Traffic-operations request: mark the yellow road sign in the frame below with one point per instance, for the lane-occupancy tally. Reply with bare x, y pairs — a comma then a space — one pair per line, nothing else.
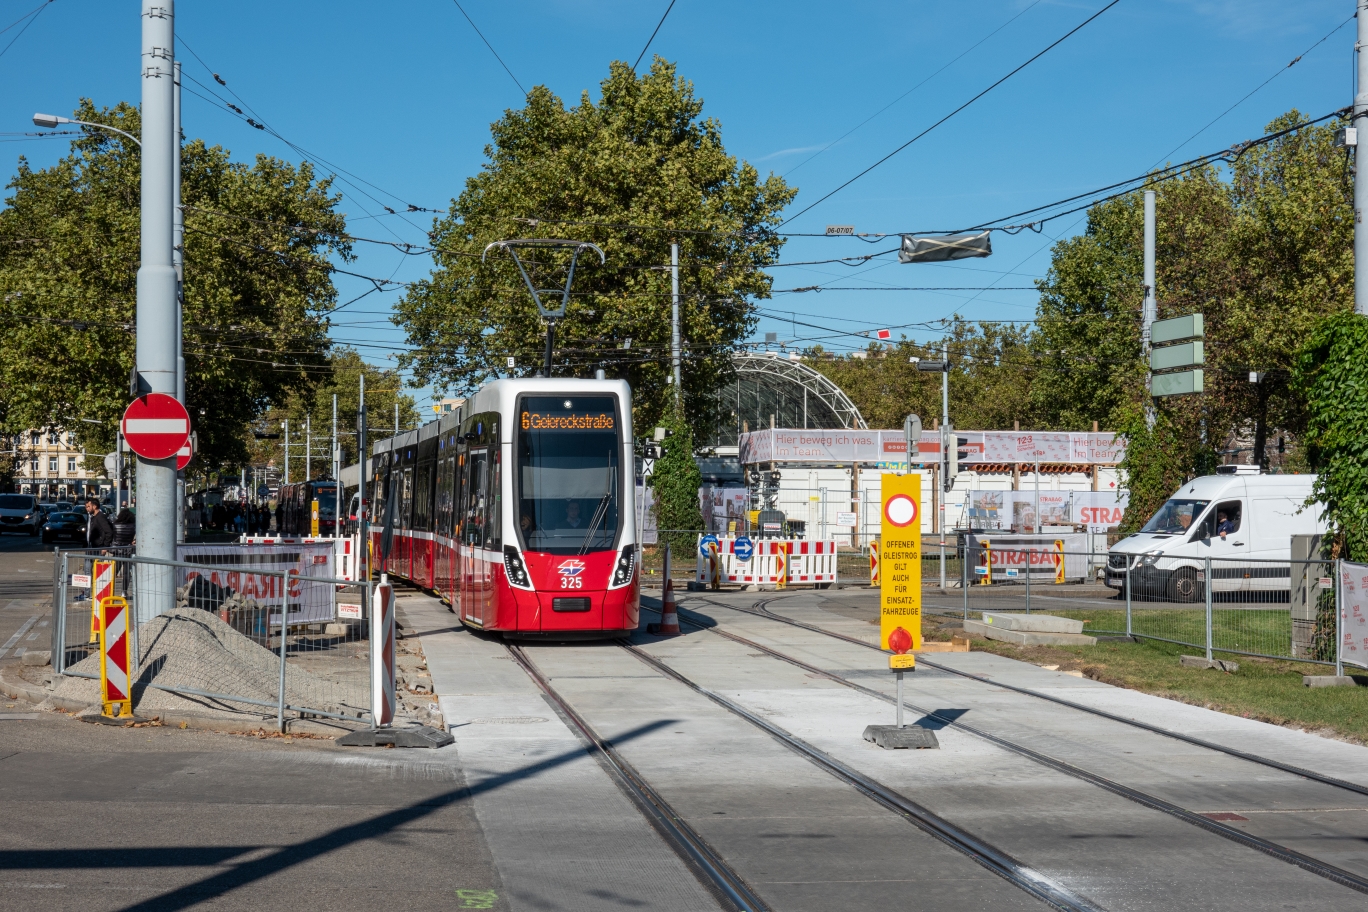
900, 563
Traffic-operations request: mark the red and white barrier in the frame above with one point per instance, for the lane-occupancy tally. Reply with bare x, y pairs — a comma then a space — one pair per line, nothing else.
806, 562
102, 587
346, 550
115, 687
383, 698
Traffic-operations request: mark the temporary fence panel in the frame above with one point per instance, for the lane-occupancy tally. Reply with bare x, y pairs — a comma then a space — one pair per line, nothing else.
222, 643
1006, 558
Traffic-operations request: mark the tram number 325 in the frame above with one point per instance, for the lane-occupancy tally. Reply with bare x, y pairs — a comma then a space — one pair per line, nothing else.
572, 582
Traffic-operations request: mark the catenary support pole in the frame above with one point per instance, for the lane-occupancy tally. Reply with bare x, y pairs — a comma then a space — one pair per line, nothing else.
363, 457
308, 447
1360, 122
674, 319
945, 458
178, 261
286, 425
156, 308
337, 476
1150, 310
396, 414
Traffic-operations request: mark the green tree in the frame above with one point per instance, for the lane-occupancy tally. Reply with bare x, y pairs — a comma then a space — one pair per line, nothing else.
675, 483
258, 286
637, 170
1331, 375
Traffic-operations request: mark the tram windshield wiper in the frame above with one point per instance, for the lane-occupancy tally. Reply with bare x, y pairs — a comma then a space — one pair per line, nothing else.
599, 512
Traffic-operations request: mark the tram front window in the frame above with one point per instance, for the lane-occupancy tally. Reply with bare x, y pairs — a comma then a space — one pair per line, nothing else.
569, 473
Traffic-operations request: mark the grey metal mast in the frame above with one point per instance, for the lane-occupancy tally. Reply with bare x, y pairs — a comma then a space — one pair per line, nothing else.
156, 310
1151, 307
1359, 122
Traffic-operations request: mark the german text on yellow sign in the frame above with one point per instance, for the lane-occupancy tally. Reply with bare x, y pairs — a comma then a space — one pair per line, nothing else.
313, 519
900, 563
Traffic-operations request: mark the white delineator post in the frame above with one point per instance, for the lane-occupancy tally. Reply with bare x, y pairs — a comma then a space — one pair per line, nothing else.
157, 306
1360, 122
383, 661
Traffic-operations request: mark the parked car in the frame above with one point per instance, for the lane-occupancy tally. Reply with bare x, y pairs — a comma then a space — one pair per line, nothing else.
1167, 557
67, 525
20, 513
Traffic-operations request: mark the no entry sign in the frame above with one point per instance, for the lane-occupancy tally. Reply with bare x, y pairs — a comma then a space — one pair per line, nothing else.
156, 426
184, 455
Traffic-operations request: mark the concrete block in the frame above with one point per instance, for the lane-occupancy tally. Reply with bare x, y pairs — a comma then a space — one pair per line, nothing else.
36, 657
890, 737
1035, 623
417, 736
1200, 662
1335, 681
1028, 637
337, 629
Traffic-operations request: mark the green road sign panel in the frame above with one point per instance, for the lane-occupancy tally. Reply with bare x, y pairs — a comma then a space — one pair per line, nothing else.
1189, 327
1179, 384
1184, 354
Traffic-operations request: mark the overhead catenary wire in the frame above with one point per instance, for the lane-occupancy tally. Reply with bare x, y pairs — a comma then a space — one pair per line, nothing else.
491, 47
654, 32
32, 17
957, 110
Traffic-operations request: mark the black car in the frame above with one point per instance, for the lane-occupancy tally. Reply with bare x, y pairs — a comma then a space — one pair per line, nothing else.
71, 526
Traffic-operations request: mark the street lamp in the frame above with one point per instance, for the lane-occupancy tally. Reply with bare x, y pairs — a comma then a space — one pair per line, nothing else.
52, 120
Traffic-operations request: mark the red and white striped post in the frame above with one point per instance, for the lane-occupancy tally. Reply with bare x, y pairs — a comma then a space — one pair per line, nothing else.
383, 698
115, 686
101, 588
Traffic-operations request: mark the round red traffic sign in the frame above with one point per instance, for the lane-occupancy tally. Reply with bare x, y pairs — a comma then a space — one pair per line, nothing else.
156, 426
184, 455
900, 510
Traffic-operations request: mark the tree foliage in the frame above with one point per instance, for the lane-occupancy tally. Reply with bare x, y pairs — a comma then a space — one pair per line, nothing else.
675, 483
258, 286
1331, 373
631, 173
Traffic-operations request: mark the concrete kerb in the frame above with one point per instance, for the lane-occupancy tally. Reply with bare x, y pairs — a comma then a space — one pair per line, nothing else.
245, 724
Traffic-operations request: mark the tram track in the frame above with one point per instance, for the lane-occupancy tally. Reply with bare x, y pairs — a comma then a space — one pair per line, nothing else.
760, 609
1272, 849
697, 855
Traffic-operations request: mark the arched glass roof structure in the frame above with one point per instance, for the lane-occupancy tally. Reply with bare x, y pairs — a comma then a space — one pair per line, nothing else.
765, 385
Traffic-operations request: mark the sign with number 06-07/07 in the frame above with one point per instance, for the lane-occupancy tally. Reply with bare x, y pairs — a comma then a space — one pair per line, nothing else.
900, 563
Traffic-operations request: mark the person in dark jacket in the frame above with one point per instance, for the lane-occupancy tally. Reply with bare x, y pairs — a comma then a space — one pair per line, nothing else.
124, 528
99, 533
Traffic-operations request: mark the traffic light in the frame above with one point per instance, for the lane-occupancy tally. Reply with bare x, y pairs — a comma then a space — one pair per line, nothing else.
950, 456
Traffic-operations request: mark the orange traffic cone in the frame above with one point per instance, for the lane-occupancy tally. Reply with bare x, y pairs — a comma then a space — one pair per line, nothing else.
669, 617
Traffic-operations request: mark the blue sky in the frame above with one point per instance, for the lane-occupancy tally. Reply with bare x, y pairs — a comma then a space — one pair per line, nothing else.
401, 95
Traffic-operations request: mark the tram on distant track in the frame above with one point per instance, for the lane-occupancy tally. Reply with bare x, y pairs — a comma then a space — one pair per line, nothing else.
296, 507
518, 509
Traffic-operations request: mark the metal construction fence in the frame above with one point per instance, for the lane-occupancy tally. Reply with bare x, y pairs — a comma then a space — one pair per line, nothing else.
236, 630
1280, 609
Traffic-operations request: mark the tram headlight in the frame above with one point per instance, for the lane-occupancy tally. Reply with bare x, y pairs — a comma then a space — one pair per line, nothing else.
626, 563
515, 569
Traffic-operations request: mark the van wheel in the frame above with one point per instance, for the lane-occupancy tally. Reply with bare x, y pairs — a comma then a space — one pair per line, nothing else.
1184, 587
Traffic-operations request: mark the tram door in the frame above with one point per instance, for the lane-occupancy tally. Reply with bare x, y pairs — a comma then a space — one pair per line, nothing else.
474, 566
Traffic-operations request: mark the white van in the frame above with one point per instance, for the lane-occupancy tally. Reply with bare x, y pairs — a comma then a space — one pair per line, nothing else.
20, 513
1258, 513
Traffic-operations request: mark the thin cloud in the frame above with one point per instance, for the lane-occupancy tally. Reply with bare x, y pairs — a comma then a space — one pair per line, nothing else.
798, 150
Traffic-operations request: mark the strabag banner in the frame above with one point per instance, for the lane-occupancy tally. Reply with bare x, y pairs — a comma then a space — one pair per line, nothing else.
251, 572
890, 447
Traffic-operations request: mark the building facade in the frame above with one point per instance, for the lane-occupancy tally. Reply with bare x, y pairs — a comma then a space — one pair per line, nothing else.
52, 466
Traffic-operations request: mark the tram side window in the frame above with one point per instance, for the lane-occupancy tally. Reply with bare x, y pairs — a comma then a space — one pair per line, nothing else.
493, 500
404, 507
421, 499
378, 496
442, 524
477, 490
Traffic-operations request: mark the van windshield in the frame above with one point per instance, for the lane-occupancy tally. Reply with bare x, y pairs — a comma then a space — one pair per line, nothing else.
16, 502
1175, 517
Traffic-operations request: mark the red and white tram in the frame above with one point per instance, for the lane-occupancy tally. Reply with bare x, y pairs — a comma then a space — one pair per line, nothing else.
518, 509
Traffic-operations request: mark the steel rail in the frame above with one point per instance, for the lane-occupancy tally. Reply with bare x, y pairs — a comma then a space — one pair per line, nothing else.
985, 854
687, 843
759, 610
1275, 850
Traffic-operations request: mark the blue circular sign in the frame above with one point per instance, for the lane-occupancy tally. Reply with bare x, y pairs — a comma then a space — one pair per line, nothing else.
744, 549
704, 542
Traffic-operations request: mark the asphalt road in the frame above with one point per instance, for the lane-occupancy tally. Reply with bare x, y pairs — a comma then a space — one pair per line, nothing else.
25, 595
100, 818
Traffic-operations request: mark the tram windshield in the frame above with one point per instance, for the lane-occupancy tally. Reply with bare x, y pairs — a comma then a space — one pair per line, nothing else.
569, 473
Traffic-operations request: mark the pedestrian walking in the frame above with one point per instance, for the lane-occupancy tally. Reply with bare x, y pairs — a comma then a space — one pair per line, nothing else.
99, 532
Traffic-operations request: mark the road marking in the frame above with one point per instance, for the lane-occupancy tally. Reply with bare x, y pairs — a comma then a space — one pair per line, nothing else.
34, 636
14, 639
